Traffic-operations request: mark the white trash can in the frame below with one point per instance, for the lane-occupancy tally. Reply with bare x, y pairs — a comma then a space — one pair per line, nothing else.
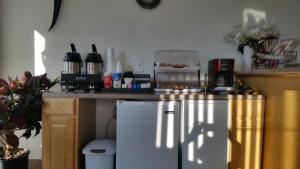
100, 154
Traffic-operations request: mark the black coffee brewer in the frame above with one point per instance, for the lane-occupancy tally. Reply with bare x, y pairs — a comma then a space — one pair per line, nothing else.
73, 79
220, 74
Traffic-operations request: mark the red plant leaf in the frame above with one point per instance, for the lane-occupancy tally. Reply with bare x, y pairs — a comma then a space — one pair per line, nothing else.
3, 83
3, 107
12, 140
4, 90
19, 121
4, 87
27, 75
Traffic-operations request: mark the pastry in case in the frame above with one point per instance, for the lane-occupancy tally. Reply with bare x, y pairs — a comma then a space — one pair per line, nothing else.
177, 69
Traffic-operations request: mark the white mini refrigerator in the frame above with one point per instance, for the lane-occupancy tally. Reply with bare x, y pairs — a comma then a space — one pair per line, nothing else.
190, 134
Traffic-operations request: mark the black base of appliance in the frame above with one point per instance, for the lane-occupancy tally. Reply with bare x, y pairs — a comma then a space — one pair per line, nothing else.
85, 82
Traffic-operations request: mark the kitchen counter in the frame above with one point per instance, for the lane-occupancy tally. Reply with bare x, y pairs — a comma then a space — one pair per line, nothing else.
146, 96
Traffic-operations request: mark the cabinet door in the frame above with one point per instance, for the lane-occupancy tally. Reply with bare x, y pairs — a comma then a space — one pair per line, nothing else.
58, 142
59, 149
246, 133
147, 135
204, 134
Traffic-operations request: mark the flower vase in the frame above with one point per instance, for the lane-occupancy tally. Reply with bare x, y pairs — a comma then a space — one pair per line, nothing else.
247, 58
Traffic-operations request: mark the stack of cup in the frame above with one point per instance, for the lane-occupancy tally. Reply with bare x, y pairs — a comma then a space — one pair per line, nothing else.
110, 68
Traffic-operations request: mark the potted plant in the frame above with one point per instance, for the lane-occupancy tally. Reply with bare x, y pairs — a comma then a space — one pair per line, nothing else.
20, 110
253, 38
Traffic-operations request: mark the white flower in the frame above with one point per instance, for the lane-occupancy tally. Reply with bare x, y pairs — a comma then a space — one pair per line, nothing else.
262, 29
16, 97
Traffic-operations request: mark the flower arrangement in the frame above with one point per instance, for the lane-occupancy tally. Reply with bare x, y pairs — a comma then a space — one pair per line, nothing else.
253, 35
20, 109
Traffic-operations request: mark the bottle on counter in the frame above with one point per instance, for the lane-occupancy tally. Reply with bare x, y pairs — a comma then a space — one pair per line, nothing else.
127, 80
108, 80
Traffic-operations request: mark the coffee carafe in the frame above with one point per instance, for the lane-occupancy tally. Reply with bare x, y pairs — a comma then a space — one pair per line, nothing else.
94, 63
72, 62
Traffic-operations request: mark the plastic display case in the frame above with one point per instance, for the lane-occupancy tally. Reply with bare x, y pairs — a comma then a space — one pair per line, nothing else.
177, 70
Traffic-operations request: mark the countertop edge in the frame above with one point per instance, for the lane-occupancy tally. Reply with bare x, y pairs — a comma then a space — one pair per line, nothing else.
149, 97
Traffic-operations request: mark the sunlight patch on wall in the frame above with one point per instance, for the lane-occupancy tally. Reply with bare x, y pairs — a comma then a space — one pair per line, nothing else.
253, 15
39, 47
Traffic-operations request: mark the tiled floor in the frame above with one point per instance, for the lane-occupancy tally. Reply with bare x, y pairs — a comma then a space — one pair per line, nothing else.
35, 164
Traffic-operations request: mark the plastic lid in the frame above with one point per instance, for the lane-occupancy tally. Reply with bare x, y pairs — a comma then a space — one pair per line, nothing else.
94, 57
177, 58
103, 147
107, 74
72, 57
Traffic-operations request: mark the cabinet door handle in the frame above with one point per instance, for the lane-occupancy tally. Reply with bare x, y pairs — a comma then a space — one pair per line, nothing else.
169, 112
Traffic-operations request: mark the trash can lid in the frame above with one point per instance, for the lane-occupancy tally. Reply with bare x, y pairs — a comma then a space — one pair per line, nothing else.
100, 147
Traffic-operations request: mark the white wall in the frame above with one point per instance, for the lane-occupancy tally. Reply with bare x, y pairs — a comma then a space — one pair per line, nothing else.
134, 32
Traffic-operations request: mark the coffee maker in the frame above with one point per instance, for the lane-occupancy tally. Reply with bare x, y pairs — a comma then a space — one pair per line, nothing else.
220, 74
74, 79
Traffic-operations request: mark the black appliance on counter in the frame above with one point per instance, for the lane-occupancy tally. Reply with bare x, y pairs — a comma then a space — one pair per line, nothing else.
220, 74
73, 79
81, 82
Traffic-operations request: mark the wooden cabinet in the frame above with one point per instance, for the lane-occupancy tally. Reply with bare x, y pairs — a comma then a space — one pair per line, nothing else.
64, 122
246, 121
59, 141
281, 145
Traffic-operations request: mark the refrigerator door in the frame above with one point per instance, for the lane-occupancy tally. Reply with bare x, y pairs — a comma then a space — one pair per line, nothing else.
147, 135
203, 134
